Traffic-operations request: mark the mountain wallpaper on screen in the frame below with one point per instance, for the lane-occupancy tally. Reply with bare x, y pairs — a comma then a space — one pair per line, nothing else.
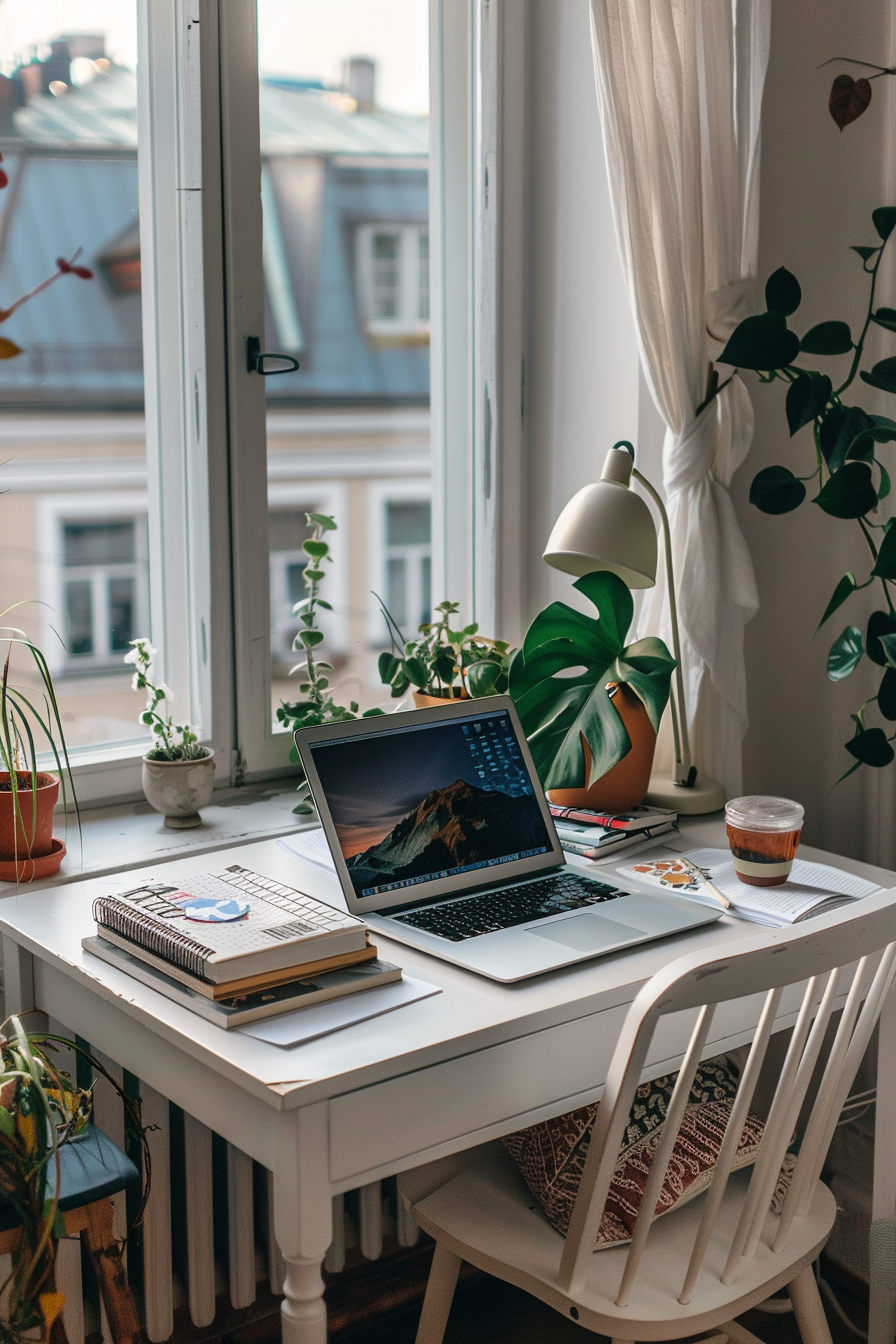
452, 827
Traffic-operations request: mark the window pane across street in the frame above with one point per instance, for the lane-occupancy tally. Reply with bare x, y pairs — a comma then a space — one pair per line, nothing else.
345, 145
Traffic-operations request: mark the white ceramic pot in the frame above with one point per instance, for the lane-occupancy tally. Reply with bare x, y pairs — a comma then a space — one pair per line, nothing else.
179, 789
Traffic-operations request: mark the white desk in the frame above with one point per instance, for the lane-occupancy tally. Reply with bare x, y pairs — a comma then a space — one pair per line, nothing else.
472, 1063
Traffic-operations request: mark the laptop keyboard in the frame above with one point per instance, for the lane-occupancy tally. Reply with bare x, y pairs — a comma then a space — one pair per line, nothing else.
495, 910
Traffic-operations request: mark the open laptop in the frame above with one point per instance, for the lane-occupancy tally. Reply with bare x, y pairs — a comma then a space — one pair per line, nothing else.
442, 838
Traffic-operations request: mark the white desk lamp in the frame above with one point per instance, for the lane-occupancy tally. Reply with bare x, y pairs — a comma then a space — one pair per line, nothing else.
606, 526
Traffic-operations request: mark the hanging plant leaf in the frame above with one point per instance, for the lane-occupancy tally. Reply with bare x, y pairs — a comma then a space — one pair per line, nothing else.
558, 710
782, 292
883, 428
886, 695
885, 564
884, 219
840, 428
888, 644
845, 587
882, 375
871, 748
861, 449
777, 490
846, 653
849, 493
885, 317
885, 485
865, 252
879, 623
761, 342
807, 397
8, 349
848, 99
827, 338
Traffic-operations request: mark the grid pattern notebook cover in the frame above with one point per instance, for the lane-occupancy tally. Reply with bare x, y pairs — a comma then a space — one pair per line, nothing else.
279, 926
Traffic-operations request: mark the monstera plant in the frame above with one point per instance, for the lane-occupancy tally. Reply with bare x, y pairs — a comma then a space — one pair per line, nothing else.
844, 470
560, 676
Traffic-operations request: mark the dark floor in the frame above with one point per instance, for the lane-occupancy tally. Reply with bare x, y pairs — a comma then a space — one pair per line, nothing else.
488, 1312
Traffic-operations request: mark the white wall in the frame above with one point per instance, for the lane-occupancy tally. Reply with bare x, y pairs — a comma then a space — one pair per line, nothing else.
582, 366
818, 190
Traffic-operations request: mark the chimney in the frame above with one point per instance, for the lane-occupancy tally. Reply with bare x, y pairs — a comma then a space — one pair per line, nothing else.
359, 80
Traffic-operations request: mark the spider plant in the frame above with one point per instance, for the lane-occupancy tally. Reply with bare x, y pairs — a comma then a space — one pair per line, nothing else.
29, 718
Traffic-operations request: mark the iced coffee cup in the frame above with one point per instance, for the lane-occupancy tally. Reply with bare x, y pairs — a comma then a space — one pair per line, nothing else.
764, 834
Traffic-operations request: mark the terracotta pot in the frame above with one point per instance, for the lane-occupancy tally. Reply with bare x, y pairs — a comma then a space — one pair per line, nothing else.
16, 839
179, 789
423, 701
626, 783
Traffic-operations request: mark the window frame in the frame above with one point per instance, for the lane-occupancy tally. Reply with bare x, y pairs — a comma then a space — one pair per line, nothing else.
203, 295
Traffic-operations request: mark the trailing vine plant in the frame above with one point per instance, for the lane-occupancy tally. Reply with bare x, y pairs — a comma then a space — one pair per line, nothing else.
849, 479
316, 704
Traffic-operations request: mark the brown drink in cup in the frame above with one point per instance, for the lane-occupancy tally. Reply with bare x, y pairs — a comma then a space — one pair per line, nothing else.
764, 834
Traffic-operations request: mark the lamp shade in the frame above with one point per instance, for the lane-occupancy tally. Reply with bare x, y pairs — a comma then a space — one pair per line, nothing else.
607, 527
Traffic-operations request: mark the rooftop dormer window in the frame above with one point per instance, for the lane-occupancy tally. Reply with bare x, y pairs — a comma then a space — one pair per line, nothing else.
393, 281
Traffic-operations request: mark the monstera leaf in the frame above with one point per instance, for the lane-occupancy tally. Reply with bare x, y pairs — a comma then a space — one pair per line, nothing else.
558, 680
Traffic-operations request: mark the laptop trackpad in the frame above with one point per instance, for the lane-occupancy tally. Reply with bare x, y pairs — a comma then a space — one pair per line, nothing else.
587, 931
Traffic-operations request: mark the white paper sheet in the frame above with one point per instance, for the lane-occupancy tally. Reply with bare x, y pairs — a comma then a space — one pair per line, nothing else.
311, 846
307, 1024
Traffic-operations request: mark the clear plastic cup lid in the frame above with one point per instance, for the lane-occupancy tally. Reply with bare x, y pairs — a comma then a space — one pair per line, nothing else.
763, 813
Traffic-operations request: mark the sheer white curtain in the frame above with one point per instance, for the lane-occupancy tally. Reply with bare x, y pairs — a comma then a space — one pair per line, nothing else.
679, 84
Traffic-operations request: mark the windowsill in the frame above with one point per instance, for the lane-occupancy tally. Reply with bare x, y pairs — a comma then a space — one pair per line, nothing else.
131, 834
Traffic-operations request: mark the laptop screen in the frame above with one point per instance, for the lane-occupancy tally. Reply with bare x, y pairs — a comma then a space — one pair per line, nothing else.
429, 802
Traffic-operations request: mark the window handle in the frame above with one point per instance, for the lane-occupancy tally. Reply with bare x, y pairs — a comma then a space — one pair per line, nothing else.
255, 358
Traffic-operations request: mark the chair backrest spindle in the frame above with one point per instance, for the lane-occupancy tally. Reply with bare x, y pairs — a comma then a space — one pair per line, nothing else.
663, 1153
731, 1141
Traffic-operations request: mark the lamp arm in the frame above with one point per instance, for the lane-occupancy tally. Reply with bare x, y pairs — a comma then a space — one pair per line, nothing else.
683, 772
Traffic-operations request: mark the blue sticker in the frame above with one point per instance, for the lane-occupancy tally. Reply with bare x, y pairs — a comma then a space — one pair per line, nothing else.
212, 910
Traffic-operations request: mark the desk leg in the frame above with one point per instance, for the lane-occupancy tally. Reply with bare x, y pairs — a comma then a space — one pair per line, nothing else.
303, 1223
18, 977
882, 1293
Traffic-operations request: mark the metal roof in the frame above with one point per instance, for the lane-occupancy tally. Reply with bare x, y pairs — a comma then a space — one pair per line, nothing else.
294, 120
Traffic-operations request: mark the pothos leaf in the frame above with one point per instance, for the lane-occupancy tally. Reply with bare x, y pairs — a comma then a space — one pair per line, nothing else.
888, 644
871, 748
849, 493
886, 695
782, 292
845, 587
776, 490
879, 623
848, 99
807, 397
846, 653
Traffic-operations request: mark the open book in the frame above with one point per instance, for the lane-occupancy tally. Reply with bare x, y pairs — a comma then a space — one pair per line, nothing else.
811, 889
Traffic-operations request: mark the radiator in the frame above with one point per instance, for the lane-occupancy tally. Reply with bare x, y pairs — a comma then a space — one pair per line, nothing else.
180, 1256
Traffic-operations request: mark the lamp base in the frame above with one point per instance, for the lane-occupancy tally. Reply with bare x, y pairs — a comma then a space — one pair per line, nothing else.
707, 795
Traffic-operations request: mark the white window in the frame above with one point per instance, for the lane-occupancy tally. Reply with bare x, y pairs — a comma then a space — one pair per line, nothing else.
407, 562
104, 583
393, 279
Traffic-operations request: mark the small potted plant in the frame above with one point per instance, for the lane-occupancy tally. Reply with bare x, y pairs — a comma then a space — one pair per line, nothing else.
316, 704
178, 772
444, 664
590, 706
29, 718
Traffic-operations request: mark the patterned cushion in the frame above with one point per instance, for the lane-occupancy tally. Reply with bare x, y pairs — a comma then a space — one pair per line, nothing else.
551, 1155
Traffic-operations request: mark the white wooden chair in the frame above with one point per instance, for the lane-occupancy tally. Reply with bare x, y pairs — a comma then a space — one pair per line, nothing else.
699, 1266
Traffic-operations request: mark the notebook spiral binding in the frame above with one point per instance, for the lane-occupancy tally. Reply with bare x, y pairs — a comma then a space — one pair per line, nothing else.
179, 948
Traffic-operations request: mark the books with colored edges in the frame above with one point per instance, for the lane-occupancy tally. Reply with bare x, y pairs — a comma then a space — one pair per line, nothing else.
636, 819
228, 925
247, 983
597, 842
243, 1008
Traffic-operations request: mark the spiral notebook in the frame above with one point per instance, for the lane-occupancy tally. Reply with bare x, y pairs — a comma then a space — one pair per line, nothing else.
276, 926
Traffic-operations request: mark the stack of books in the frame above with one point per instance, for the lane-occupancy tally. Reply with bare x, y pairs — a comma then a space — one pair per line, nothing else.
234, 946
596, 835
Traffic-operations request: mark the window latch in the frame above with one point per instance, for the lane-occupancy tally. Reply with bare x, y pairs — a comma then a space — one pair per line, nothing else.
255, 359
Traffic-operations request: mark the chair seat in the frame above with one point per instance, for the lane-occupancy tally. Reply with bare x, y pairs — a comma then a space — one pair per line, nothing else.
91, 1166
488, 1217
